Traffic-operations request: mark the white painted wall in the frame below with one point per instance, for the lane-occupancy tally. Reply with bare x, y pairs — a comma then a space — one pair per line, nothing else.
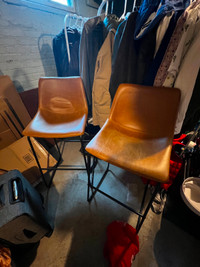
26, 35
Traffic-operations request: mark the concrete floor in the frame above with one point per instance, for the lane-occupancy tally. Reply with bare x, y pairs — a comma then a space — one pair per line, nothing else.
80, 228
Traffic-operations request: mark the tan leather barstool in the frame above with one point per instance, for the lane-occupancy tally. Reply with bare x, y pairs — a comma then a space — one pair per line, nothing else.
137, 137
62, 113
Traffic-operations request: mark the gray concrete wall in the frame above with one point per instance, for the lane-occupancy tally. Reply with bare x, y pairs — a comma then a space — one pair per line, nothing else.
26, 34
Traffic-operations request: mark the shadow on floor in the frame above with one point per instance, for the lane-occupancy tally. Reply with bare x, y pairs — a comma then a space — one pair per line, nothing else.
87, 223
23, 255
178, 213
177, 244
175, 248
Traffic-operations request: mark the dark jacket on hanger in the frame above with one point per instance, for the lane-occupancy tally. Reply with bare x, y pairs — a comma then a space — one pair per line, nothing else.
133, 57
161, 8
93, 35
117, 40
64, 68
151, 73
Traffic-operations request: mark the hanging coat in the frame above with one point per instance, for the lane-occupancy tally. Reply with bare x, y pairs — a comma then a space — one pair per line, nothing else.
64, 68
92, 38
101, 100
94, 33
133, 56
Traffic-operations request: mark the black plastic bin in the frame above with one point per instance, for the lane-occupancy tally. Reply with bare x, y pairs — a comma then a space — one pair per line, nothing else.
22, 216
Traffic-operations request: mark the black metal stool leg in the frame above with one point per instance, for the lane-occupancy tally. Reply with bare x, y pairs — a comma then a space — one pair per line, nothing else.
84, 154
139, 224
38, 163
142, 203
141, 216
87, 159
58, 149
88, 173
54, 169
91, 184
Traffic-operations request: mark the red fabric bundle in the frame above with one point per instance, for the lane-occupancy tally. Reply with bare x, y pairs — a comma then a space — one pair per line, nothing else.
175, 164
122, 244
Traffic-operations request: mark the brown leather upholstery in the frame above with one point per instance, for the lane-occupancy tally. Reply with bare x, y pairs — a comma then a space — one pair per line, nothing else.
62, 110
139, 131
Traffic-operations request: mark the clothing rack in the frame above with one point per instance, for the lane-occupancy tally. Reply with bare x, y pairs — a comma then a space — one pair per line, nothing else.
78, 22
134, 8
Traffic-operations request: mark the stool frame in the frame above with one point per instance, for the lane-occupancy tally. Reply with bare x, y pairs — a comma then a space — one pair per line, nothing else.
142, 213
58, 165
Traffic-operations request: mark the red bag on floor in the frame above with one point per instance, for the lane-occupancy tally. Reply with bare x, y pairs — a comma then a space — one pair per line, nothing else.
122, 244
175, 164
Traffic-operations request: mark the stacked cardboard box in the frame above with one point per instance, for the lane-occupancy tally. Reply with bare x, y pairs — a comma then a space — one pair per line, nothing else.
13, 114
19, 156
15, 152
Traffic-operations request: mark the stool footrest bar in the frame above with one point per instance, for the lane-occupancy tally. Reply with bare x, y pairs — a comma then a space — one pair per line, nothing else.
116, 200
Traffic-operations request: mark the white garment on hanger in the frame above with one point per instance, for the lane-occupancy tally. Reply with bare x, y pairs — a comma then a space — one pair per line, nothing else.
162, 28
189, 32
186, 78
101, 100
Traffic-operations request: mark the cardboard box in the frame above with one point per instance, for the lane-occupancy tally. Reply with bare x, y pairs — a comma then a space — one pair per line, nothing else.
30, 100
8, 132
19, 156
10, 129
10, 119
13, 114
6, 138
3, 124
9, 92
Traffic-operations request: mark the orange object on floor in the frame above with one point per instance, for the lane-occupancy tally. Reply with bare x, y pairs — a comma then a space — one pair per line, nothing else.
5, 257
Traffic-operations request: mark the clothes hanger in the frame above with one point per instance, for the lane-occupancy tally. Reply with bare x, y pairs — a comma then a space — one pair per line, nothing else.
99, 11
176, 4
68, 17
134, 5
83, 22
112, 7
66, 37
107, 5
77, 23
124, 13
80, 23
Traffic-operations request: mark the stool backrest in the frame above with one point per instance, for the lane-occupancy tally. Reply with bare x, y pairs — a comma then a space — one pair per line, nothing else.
150, 111
62, 96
